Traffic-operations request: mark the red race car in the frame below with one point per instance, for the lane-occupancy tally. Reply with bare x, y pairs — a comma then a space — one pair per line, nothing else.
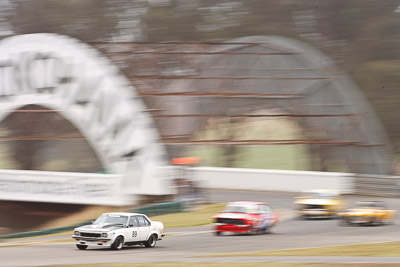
245, 217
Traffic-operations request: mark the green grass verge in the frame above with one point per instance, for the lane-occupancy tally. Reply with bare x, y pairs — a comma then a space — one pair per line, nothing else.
197, 217
387, 249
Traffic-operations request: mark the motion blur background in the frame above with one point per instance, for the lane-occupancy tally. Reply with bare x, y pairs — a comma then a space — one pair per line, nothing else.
234, 104
360, 37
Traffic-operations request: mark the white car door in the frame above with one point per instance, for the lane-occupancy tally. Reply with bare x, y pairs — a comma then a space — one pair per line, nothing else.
132, 232
144, 227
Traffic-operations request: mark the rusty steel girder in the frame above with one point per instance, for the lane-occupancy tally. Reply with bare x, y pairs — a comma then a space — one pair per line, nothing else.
243, 77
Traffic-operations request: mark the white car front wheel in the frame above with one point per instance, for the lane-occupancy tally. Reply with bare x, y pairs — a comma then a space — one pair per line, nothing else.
81, 246
118, 243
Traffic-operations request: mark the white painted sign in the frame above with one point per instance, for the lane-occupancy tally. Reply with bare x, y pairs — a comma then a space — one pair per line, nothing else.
68, 76
62, 187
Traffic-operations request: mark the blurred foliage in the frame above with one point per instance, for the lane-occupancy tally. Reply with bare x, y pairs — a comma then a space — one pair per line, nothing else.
356, 34
285, 157
33, 153
85, 20
361, 36
280, 157
381, 83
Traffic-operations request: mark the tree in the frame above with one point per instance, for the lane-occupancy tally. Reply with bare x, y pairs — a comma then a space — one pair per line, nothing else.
89, 20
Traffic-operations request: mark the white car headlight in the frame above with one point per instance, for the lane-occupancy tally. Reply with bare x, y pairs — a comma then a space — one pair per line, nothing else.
76, 232
104, 235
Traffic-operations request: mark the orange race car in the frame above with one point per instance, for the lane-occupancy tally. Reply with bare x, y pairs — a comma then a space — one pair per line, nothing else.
368, 213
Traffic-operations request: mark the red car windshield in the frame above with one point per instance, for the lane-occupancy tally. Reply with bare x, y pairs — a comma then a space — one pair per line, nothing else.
241, 208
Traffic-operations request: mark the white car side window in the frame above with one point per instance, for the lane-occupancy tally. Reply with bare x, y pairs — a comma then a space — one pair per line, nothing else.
133, 222
143, 222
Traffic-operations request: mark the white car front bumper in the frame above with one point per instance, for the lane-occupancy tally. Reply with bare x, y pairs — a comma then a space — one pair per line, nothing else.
93, 241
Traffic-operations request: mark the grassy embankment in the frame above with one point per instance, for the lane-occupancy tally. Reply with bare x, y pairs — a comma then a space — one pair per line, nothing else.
386, 249
229, 264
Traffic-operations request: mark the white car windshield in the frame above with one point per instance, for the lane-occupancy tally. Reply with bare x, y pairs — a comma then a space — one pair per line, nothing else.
112, 219
241, 208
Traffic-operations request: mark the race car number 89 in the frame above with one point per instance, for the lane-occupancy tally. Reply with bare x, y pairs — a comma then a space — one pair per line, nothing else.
134, 234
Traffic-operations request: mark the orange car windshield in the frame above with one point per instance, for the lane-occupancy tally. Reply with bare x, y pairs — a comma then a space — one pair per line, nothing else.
319, 195
369, 205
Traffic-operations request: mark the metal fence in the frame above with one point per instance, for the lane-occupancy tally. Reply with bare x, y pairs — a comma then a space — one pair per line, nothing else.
377, 185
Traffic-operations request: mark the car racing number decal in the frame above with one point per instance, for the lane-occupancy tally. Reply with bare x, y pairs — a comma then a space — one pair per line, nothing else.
134, 234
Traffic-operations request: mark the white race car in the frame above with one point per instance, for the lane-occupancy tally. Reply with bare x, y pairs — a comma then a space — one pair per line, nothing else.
117, 229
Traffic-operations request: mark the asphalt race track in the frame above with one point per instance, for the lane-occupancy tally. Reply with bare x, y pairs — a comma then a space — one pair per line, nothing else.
200, 241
